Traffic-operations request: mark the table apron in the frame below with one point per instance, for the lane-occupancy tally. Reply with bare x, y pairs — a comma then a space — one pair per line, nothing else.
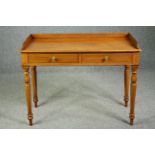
80, 59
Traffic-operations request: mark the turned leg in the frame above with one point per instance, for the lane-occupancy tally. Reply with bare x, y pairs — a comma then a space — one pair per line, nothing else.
28, 93
133, 93
34, 84
126, 84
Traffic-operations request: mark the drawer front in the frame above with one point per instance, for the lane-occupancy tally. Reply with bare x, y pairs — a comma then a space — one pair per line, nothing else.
53, 58
109, 58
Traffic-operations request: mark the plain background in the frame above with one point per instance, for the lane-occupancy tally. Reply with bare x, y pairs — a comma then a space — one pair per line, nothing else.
12, 38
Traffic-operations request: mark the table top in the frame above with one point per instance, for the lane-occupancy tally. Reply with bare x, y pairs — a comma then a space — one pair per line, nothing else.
81, 42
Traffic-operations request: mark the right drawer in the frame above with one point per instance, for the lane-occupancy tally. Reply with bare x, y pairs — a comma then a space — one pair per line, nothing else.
108, 58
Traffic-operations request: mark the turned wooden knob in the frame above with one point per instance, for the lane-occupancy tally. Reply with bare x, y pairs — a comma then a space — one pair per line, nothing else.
106, 58
54, 59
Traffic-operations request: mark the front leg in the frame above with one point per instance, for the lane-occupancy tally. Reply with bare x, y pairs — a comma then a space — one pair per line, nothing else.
28, 93
133, 93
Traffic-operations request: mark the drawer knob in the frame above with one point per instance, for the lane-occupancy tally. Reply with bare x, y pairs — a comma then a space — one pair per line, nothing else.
54, 59
106, 58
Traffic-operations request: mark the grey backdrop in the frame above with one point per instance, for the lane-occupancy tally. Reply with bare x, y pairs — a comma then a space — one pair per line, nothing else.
11, 39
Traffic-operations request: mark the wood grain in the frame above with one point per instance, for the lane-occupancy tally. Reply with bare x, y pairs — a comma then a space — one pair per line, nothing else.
126, 84
34, 85
115, 58
53, 58
28, 93
133, 93
76, 59
93, 42
81, 49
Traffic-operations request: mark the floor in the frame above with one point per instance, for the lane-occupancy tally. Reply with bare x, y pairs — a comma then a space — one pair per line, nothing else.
79, 98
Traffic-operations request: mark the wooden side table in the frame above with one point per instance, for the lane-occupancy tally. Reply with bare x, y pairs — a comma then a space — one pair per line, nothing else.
83, 49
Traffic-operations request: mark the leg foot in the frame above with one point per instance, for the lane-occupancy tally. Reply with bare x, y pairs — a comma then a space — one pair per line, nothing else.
132, 116
126, 101
35, 105
30, 122
30, 117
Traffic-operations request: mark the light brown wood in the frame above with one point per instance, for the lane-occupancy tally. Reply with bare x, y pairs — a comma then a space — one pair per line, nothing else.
34, 85
28, 41
28, 93
52, 58
76, 59
133, 93
81, 36
133, 41
82, 49
126, 84
107, 58
93, 42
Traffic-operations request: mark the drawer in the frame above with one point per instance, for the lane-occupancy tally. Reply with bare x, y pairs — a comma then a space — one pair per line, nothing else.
52, 58
109, 58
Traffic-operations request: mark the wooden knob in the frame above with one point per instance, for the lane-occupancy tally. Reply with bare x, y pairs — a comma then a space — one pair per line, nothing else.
106, 58
54, 59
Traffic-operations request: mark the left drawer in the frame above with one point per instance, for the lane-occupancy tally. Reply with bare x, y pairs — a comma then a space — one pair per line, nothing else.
53, 58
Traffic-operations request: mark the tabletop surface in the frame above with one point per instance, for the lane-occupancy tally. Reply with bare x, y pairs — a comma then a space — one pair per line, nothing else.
82, 42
